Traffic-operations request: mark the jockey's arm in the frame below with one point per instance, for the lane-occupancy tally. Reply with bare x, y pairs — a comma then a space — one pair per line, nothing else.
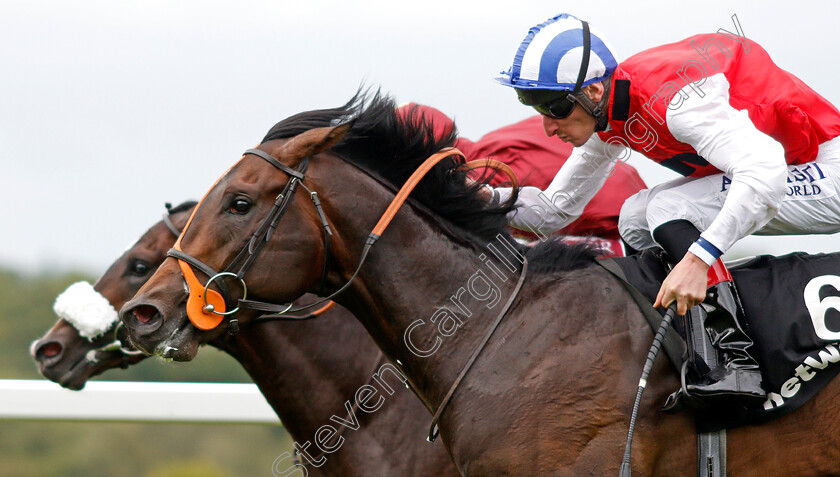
563, 201
754, 161
728, 140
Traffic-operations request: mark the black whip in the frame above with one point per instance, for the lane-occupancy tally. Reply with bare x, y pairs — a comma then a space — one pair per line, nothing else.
624, 470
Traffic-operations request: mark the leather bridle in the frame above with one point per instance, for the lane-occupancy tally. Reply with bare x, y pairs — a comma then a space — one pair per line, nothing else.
206, 307
125, 350
248, 254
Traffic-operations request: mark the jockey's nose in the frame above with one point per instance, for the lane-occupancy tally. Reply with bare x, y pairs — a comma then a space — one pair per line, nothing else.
550, 126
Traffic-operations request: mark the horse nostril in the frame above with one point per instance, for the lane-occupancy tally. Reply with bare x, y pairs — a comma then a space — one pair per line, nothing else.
48, 350
144, 313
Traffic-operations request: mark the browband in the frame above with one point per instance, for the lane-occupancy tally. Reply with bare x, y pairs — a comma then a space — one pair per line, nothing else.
274, 162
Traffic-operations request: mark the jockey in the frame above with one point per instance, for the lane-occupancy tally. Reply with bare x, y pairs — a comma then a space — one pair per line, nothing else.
758, 149
535, 159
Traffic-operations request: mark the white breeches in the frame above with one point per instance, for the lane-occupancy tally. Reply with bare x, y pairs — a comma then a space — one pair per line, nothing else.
811, 204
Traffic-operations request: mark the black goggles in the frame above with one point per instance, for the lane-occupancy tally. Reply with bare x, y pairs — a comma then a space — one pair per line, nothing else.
554, 104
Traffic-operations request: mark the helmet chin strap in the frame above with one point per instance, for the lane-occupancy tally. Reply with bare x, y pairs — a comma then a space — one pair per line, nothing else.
593, 110
577, 94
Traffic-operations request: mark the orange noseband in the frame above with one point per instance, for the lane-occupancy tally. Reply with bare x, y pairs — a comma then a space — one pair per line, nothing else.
198, 303
206, 308
203, 305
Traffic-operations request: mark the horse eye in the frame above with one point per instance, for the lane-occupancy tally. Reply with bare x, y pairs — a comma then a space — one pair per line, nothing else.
140, 268
240, 206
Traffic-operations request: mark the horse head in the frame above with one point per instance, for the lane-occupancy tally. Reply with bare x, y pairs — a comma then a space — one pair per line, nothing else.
295, 215
74, 350
238, 217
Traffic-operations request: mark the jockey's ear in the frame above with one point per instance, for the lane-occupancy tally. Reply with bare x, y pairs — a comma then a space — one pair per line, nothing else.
313, 142
594, 91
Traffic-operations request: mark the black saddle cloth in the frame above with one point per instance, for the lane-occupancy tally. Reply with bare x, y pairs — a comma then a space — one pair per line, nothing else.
792, 306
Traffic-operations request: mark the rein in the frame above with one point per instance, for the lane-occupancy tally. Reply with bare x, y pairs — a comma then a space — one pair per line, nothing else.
214, 301
433, 428
282, 317
379, 228
206, 307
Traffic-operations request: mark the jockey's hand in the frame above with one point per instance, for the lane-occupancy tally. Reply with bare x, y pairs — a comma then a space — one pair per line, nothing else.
485, 192
686, 284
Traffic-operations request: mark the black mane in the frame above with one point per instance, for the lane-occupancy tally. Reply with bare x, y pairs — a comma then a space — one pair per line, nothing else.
554, 256
392, 146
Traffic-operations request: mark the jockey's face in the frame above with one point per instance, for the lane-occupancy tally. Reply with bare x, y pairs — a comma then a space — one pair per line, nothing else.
578, 126
576, 129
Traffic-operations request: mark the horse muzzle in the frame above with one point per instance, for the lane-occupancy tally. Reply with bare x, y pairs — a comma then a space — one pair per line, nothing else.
61, 362
47, 353
155, 329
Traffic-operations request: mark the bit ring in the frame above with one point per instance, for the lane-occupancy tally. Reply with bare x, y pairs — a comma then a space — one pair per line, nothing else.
209, 308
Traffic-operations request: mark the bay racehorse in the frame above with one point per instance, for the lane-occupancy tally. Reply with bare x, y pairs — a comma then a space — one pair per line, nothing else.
549, 394
305, 379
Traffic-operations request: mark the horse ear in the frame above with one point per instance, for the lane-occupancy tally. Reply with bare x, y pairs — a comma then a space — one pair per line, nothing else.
314, 141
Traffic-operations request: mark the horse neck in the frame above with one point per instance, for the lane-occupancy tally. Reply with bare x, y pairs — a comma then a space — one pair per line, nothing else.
416, 272
307, 370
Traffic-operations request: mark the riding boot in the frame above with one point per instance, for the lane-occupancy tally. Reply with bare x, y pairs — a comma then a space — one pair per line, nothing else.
719, 367
736, 377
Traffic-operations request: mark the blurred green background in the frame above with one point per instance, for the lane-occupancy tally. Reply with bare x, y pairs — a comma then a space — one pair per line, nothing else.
69, 449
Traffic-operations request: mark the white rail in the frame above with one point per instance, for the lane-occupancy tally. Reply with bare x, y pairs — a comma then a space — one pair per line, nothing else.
135, 402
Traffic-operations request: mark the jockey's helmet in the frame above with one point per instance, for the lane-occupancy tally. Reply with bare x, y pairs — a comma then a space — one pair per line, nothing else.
555, 60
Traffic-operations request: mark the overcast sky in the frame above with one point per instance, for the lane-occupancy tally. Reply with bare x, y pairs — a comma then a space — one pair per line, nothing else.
108, 109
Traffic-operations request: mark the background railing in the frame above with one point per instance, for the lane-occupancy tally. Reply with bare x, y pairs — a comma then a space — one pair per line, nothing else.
135, 402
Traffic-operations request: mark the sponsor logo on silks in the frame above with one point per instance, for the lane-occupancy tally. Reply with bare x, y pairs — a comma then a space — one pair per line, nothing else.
800, 181
804, 372
803, 190
817, 308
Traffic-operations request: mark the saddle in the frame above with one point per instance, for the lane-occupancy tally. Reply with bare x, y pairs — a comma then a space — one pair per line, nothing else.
792, 307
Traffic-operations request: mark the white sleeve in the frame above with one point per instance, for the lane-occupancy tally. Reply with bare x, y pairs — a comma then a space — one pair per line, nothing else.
580, 178
728, 140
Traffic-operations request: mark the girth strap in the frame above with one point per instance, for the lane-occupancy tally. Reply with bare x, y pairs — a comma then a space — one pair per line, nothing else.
433, 428
711, 454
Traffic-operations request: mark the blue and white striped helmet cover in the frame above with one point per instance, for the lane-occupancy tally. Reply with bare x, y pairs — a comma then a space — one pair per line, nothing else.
550, 56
